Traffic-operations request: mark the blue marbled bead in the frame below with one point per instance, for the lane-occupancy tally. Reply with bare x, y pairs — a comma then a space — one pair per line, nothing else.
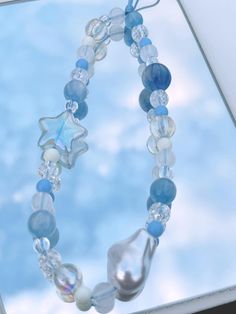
163, 190
161, 111
54, 238
82, 111
144, 100
132, 19
155, 228
156, 76
41, 224
44, 185
76, 91
128, 36
144, 42
83, 64
149, 202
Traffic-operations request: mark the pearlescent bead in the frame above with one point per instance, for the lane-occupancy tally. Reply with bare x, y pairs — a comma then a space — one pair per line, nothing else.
128, 37
82, 111
42, 201
41, 224
41, 245
159, 98
166, 172
83, 64
75, 90
133, 19
141, 68
49, 263
162, 126
44, 185
139, 32
80, 75
51, 154
134, 50
116, 32
83, 298
149, 202
100, 51
161, 111
152, 145
155, 228
54, 238
89, 41
163, 190
147, 52
160, 212
164, 143
67, 298
103, 297
96, 29
117, 16
86, 52
144, 100
156, 76
165, 158
67, 279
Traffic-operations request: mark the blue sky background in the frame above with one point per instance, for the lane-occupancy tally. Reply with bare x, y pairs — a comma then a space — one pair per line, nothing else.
103, 199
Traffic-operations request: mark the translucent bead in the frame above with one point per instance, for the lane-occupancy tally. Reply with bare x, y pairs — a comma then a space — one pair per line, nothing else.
43, 201
139, 32
49, 263
162, 126
96, 29
68, 298
166, 171
89, 41
165, 158
56, 183
100, 52
86, 52
152, 145
159, 98
128, 36
82, 111
67, 278
155, 228
160, 212
80, 75
149, 202
134, 50
91, 71
151, 60
106, 19
148, 52
117, 16
151, 115
163, 190
75, 90
49, 169
156, 76
141, 68
54, 238
164, 143
103, 297
83, 298
71, 106
41, 224
133, 19
144, 100
41, 245
116, 32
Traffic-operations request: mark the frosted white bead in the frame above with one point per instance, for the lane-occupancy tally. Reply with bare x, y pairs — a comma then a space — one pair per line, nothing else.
83, 298
88, 41
116, 32
141, 68
164, 143
117, 16
147, 52
87, 53
51, 154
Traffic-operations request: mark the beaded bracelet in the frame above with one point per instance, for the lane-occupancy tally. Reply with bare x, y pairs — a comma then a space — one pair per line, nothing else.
62, 141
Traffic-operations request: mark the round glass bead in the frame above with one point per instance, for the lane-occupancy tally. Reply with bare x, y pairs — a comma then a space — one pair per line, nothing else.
100, 51
86, 52
149, 202
128, 36
160, 212
96, 29
151, 115
148, 52
67, 278
139, 32
49, 169
155, 228
116, 32
49, 263
159, 98
144, 100
54, 238
117, 16
133, 19
103, 297
163, 190
41, 245
88, 41
162, 126
91, 70
41, 224
165, 157
71, 106
152, 145
141, 68
80, 75
164, 143
67, 298
82, 111
44, 185
105, 19
134, 50
75, 90
165, 171
156, 76
42, 201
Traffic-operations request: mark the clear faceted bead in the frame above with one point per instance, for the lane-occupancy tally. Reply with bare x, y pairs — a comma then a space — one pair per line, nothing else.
42, 201
103, 297
162, 126
148, 52
106, 19
134, 50
80, 75
49, 263
139, 32
159, 98
67, 278
152, 145
56, 183
97, 29
100, 51
71, 106
41, 246
49, 169
116, 32
165, 157
117, 16
159, 212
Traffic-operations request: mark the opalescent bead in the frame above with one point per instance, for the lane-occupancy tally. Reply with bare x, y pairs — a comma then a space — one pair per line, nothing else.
144, 42
67, 278
75, 90
159, 98
160, 212
41, 245
144, 100
82, 111
128, 37
83, 298
83, 64
41, 224
156, 76
116, 32
139, 32
132, 19
54, 238
49, 263
44, 185
149, 202
96, 29
155, 228
162, 126
103, 297
43, 201
117, 16
152, 145
163, 190
161, 111
86, 52
165, 157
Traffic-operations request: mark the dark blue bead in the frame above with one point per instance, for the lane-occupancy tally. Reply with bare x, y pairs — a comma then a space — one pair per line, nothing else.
76, 91
155, 228
54, 238
128, 37
44, 185
41, 224
149, 202
144, 42
156, 76
53, 196
132, 19
163, 190
144, 100
82, 111
161, 111
83, 64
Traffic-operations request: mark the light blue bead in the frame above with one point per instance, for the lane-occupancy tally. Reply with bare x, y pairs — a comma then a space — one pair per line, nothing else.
149, 202
163, 190
161, 111
155, 228
144, 100
44, 185
132, 19
41, 224
83, 64
54, 238
82, 111
156, 76
75, 90
144, 42
128, 36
